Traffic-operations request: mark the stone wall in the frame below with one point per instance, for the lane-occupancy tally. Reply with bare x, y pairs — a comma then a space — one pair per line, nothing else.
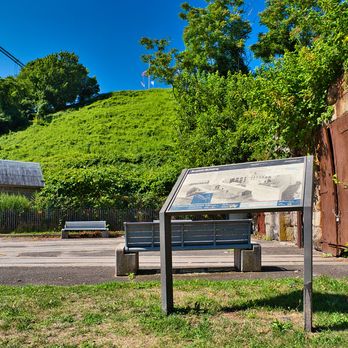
284, 226
281, 226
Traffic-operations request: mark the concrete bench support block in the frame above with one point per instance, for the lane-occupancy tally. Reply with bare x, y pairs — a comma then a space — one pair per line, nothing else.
105, 234
65, 234
248, 260
126, 263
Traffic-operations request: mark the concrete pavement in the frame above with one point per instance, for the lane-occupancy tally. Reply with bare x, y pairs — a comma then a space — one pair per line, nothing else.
92, 260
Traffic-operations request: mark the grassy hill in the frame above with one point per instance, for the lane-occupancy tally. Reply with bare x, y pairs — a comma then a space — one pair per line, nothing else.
116, 151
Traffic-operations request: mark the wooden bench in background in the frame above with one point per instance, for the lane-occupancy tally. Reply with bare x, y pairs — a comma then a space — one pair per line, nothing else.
84, 226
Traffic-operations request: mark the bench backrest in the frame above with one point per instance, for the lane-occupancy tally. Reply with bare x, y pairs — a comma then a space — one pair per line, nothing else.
85, 224
207, 234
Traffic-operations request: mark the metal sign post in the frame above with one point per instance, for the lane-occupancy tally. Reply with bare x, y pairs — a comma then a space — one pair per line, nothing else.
166, 263
308, 246
269, 186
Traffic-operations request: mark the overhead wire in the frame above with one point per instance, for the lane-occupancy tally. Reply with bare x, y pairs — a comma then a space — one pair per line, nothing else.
12, 57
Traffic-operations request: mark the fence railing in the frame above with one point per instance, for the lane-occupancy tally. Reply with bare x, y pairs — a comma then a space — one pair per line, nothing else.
54, 219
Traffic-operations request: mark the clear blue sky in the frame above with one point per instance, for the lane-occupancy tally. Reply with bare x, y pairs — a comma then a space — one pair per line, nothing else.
105, 34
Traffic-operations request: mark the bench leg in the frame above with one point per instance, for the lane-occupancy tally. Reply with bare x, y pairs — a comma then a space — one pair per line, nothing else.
105, 234
248, 260
65, 234
126, 263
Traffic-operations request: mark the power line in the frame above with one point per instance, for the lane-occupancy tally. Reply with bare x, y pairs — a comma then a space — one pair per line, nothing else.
12, 57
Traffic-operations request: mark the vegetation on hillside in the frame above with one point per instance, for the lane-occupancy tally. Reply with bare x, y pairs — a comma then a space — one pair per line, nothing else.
44, 86
118, 151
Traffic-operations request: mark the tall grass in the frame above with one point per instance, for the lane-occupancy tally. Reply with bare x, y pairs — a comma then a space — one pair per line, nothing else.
13, 202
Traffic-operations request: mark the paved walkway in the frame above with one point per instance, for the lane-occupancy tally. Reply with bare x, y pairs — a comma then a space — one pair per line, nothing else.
55, 261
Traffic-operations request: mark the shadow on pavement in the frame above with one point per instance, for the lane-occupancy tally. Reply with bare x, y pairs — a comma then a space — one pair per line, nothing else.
149, 271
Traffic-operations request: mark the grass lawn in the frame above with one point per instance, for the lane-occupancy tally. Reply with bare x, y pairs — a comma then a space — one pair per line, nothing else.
248, 313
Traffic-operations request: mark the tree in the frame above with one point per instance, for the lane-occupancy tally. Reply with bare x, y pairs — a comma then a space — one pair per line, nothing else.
214, 41
275, 111
15, 108
56, 81
293, 24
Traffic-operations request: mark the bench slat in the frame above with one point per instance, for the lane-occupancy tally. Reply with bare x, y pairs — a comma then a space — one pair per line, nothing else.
190, 235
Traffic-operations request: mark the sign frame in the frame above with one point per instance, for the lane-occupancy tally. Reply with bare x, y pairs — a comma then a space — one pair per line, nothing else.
306, 207
223, 188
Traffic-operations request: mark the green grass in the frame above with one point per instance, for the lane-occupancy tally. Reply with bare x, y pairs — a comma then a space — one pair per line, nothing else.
246, 313
127, 127
105, 152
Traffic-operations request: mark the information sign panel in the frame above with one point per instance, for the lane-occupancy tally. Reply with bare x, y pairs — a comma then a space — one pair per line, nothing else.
248, 186
279, 185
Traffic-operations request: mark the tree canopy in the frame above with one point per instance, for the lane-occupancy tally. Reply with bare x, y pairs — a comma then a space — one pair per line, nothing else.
214, 40
44, 86
57, 80
277, 110
292, 24
15, 107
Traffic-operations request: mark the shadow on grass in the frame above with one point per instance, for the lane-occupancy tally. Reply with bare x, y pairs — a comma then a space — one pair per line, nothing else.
331, 327
329, 303
196, 309
322, 302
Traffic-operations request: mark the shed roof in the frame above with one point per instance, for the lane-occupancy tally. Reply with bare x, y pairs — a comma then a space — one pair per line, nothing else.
21, 174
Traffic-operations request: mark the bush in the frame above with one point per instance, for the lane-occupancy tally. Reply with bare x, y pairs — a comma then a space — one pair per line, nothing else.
13, 202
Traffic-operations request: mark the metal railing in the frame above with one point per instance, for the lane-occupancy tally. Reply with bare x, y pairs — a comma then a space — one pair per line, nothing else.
32, 220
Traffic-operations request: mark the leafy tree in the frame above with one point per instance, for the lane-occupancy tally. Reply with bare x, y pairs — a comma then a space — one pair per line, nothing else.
293, 24
56, 81
214, 41
206, 125
215, 37
15, 108
272, 113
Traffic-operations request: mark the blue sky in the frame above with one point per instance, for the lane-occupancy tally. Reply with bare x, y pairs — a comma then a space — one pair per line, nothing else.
105, 34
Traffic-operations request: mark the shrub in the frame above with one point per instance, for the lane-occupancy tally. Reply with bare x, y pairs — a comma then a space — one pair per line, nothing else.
13, 202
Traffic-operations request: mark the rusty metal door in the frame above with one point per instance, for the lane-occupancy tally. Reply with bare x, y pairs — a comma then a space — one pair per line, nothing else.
261, 224
339, 135
333, 158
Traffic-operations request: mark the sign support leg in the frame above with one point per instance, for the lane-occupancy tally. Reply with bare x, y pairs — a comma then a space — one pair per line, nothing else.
308, 247
308, 269
166, 263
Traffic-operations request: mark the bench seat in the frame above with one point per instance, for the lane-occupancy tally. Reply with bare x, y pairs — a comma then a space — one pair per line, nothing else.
74, 226
188, 235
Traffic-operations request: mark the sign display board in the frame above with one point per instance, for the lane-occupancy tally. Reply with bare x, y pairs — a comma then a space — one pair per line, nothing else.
246, 186
279, 185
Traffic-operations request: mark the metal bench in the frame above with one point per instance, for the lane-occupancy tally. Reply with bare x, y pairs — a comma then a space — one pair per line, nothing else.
209, 234
187, 235
75, 226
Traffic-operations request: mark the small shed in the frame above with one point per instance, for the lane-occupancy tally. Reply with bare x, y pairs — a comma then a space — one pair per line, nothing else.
20, 177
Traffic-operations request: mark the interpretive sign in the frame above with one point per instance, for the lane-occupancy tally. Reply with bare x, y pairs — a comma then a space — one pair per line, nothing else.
268, 186
246, 186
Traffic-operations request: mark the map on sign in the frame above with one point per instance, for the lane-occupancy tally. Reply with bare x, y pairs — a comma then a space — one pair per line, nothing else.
255, 185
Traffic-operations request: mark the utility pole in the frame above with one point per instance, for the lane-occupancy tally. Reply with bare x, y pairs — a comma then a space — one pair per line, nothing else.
148, 77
